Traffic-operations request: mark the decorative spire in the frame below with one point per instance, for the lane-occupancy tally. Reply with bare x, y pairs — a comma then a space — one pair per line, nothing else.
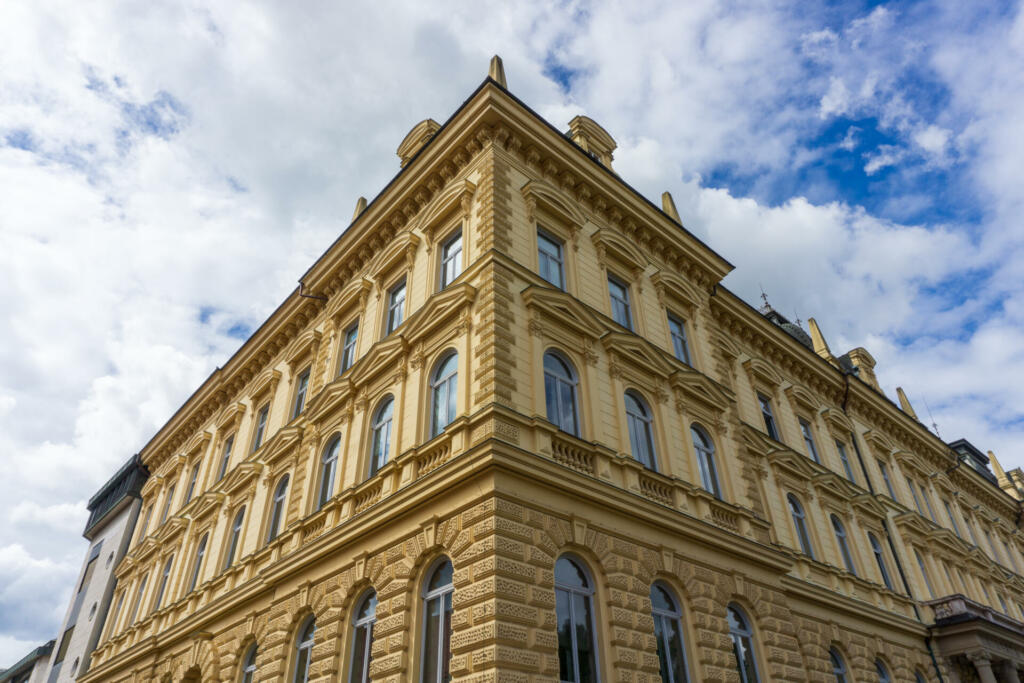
360, 207
497, 71
818, 341
767, 307
669, 207
905, 403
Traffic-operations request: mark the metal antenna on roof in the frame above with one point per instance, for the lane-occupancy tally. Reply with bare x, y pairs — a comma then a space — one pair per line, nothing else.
935, 427
799, 323
767, 308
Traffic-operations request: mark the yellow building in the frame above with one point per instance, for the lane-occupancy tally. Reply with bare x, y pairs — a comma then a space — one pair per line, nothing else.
512, 428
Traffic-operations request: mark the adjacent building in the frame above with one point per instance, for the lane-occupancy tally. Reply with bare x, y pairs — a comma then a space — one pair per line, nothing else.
31, 668
512, 427
113, 513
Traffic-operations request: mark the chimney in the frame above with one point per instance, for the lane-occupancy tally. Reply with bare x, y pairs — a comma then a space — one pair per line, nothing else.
865, 364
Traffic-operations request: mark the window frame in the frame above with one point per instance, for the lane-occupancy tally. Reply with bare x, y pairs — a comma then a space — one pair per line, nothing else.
347, 360
771, 423
683, 338
394, 314
235, 537
167, 503
164, 578
449, 384
197, 566
737, 634
453, 237
799, 517
844, 460
559, 244
839, 668
190, 492
249, 664
663, 642
842, 537
365, 623
328, 469
879, 552
377, 425
301, 390
225, 458
640, 426
707, 467
304, 643
260, 427
278, 507
589, 594
807, 432
625, 301
883, 470
572, 383
427, 595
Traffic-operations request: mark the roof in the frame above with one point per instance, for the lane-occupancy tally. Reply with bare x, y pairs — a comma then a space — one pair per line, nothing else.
26, 663
126, 483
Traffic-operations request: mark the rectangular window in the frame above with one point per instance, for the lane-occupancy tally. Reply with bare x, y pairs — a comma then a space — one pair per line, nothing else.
928, 504
845, 459
812, 450
226, 457
991, 546
677, 330
300, 394
396, 306
167, 504
913, 494
192, 484
348, 350
1011, 556
65, 641
87, 574
884, 469
261, 426
451, 259
138, 600
952, 519
618, 291
769, 416
970, 530
549, 259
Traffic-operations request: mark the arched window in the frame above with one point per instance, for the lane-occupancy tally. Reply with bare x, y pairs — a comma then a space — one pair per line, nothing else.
381, 435
277, 509
560, 393
442, 393
437, 626
236, 534
304, 650
668, 631
743, 645
249, 665
641, 432
844, 548
574, 612
883, 673
200, 553
838, 666
362, 642
800, 522
876, 548
704, 447
328, 465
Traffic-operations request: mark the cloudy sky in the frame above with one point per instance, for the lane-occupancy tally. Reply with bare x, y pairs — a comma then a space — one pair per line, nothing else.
168, 170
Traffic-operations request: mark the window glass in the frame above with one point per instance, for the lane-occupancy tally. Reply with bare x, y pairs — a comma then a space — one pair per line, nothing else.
560, 393
838, 666
277, 509
164, 576
249, 666
549, 257
843, 458
884, 470
226, 457
443, 393
800, 523
381, 435
167, 504
236, 534
577, 647
668, 632
437, 628
261, 427
924, 574
641, 436
348, 349
200, 553
705, 450
882, 671
138, 600
769, 417
362, 642
304, 651
952, 519
328, 466
192, 484
844, 548
396, 306
876, 548
812, 450
913, 494
300, 394
618, 291
677, 330
451, 259
743, 645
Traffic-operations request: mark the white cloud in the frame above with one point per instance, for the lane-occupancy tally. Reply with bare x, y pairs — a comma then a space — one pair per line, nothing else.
932, 139
883, 157
836, 101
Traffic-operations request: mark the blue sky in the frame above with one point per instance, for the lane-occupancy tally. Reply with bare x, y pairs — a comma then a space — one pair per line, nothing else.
161, 192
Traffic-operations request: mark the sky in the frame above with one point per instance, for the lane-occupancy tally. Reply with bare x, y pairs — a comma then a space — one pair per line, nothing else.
169, 169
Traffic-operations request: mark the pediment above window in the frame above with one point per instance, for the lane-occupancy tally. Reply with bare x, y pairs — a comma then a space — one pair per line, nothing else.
242, 478
880, 444
691, 385
670, 286
265, 385
628, 348
837, 488
912, 526
870, 506
303, 346
439, 310
401, 251
560, 309
549, 199
330, 399
197, 443
802, 398
207, 506
385, 357
354, 294
760, 370
455, 201
910, 462
170, 530
612, 248
837, 422
792, 465
282, 443
231, 416
758, 442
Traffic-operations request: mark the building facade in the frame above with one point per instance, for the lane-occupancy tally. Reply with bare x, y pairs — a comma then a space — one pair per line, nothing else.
511, 427
113, 512
31, 668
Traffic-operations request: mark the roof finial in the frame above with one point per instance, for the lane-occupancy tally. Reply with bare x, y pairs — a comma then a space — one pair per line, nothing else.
360, 207
767, 308
669, 207
818, 341
497, 71
905, 403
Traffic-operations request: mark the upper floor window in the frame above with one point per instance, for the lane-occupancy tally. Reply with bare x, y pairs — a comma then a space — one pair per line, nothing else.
928, 504
913, 494
924, 574
381, 435
304, 651
328, 465
138, 600
952, 519
769, 416
668, 632
197, 567
451, 259
348, 349
437, 626
144, 529
743, 645
844, 548
838, 665
549, 258
300, 393
641, 435
705, 450
1013, 559
677, 330
618, 292
191, 490
845, 459
236, 534
560, 393
882, 671
396, 306
167, 504
970, 530
362, 642
249, 665
443, 393
884, 471
261, 427
277, 509
164, 576
800, 523
225, 457
574, 614
991, 546
808, 434
876, 549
